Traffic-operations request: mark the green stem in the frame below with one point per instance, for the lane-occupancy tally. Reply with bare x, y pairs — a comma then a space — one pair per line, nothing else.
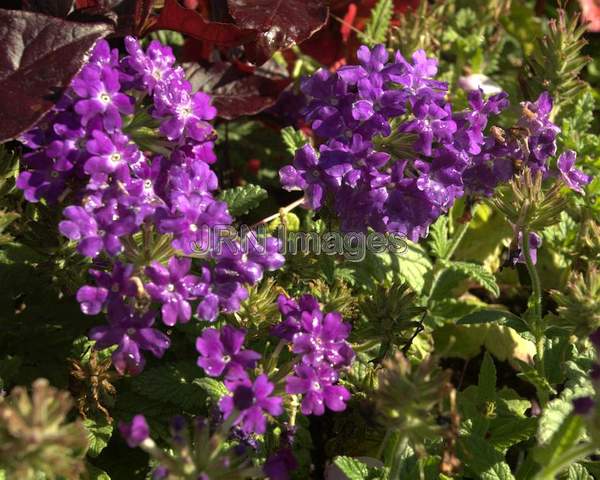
535, 312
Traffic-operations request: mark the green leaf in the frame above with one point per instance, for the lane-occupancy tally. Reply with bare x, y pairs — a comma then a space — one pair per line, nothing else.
379, 23
241, 200
506, 432
293, 139
99, 433
412, 265
353, 469
438, 237
531, 375
552, 457
94, 473
483, 459
213, 388
465, 341
487, 379
578, 472
173, 384
477, 272
553, 417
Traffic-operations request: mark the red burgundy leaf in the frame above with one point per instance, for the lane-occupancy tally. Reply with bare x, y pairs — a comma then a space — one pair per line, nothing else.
54, 8
236, 92
130, 17
39, 57
175, 17
281, 23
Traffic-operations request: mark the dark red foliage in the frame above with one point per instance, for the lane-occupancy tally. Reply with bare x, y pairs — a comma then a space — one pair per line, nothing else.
261, 27
176, 17
39, 57
54, 8
236, 92
279, 24
131, 17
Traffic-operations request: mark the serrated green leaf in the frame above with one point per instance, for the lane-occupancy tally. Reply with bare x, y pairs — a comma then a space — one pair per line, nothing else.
477, 272
531, 375
483, 459
173, 384
506, 432
379, 23
412, 265
241, 200
353, 469
578, 472
293, 139
99, 433
438, 237
487, 380
215, 389
553, 416
552, 457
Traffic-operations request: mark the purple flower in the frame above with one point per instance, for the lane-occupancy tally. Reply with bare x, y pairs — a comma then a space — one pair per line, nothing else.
583, 405
316, 384
573, 177
323, 339
109, 153
119, 202
535, 242
136, 431
352, 110
222, 350
110, 288
151, 67
246, 262
182, 113
252, 401
279, 465
131, 333
98, 88
173, 287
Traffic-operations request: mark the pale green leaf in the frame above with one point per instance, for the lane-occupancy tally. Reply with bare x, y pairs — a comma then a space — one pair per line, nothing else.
353, 469
478, 273
293, 139
99, 433
241, 200
214, 388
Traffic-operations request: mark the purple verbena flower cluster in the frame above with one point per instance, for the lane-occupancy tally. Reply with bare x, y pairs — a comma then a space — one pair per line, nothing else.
222, 353
140, 211
320, 342
366, 113
395, 155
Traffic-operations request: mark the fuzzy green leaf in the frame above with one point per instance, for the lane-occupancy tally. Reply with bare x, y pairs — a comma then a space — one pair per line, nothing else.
483, 459
438, 236
293, 139
477, 272
487, 379
506, 432
99, 433
578, 472
213, 388
353, 469
241, 200
173, 384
